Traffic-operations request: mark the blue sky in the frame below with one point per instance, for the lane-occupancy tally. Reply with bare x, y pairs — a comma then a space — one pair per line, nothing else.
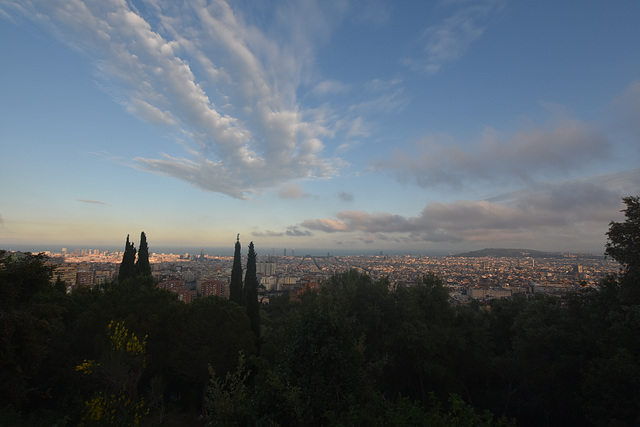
394, 126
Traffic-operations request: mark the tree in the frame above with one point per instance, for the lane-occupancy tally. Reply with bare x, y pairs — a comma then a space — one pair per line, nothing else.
142, 267
235, 289
423, 341
21, 278
127, 266
623, 245
251, 291
31, 314
119, 371
210, 331
225, 400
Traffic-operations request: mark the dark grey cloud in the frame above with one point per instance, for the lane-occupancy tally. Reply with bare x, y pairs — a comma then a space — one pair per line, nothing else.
292, 231
523, 157
625, 111
296, 232
94, 202
577, 209
346, 197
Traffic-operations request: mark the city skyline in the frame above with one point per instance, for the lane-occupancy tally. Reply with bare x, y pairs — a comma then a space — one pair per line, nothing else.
332, 126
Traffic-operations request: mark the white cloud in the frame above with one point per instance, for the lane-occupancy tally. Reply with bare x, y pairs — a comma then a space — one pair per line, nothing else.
185, 69
150, 113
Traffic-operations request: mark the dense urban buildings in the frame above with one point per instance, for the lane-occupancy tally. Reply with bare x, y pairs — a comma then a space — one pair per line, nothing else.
466, 277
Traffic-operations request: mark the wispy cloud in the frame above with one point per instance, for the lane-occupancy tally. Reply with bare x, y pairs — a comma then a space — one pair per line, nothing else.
449, 39
218, 80
568, 208
372, 12
329, 87
93, 202
388, 96
267, 233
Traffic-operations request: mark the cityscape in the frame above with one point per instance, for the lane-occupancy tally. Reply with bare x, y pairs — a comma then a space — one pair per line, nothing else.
443, 197
467, 277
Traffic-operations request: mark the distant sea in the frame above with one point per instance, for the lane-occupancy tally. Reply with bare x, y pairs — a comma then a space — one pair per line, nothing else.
228, 251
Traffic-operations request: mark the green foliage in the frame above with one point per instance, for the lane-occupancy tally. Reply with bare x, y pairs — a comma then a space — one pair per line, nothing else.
460, 414
610, 389
549, 350
210, 331
30, 318
324, 356
225, 400
22, 278
119, 370
423, 341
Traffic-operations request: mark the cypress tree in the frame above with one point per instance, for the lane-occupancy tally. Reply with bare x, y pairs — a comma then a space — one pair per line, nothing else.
142, 265
235, 288
251, 291
127, 266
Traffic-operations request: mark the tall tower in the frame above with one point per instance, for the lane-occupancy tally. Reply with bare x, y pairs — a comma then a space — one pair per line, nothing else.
285, 251
293, 252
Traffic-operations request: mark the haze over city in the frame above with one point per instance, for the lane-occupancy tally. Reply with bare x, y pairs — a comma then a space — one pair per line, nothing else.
441, 126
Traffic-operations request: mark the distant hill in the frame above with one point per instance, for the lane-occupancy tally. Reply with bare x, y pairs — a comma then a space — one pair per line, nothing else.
510, 253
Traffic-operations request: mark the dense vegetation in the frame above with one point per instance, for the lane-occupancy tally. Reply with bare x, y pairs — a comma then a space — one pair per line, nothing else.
352, 353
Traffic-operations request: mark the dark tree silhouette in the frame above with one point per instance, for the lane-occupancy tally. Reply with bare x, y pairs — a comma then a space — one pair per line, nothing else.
624, 237
235, 289
623, 245
127, 266
251, 291
142, 267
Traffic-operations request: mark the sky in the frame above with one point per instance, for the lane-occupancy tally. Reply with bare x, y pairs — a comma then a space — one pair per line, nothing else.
329, 125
